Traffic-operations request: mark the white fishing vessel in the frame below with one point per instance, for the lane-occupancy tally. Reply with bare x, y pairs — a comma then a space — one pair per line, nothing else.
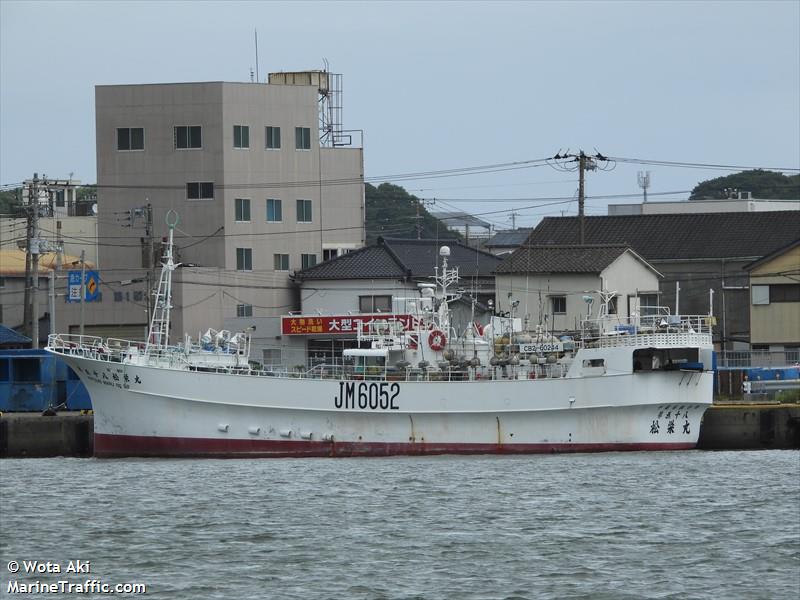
414, 386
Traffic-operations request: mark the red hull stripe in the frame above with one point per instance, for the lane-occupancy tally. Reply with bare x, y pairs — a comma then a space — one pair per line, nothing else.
111, 446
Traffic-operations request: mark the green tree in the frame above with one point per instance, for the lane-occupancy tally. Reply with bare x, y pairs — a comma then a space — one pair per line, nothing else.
392, 212
86, 191
11, 202
761, 184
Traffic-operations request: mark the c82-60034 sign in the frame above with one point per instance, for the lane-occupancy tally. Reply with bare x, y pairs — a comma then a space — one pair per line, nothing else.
367, 395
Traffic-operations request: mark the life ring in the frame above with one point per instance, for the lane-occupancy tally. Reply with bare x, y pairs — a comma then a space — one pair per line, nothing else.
437, 340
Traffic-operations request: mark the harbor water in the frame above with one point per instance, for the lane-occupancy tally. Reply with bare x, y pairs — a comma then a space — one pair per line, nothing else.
617, 525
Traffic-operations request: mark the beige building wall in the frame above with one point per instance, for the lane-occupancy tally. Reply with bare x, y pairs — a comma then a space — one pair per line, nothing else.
776, 323
208, 288
77, 233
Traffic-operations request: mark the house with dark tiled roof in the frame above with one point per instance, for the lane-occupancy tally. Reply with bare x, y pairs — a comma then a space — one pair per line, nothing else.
505, 242
695, 253
376, 278
557, 286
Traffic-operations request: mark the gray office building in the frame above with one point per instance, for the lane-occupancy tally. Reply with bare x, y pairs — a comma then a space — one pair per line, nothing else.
261, 175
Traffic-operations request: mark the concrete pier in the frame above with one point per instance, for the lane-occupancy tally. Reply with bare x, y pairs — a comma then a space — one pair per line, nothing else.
739, 426
31, 435
725, 427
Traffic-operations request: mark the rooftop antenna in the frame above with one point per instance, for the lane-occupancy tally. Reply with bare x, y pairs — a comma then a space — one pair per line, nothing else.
256, 36
644, 182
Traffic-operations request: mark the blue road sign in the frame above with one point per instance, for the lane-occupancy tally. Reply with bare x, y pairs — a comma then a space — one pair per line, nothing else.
91, 289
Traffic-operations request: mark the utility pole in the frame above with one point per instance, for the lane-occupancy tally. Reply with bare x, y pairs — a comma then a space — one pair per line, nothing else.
418, 217
33, 250
28, 229
59, 246
83, 287
52, 290
643, 178
585, 163
581, 195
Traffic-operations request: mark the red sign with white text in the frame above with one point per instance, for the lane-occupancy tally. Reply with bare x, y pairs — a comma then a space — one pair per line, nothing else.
344, 324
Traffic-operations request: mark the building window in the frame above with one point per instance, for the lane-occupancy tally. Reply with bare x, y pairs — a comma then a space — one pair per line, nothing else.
2, 282
759, 294
59, 197
274, 211
130, 138
558, 305
281, 262
242, 210
302, 138
200, 190
241, 136
308, 260
244, 259
244, 310
188, 136
272, 357
612, 305
304, 211
273, 137
648, 305
373, 304
329, 253
784, 292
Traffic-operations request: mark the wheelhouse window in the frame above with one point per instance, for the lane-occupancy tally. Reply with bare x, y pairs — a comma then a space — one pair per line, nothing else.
242, 210
200, 190
130, 138
273, 137
302, 138
241, 137
244, 310
188, 137
274, 211
244, 259
373, 304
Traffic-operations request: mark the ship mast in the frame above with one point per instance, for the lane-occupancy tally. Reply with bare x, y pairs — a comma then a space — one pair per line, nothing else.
448, 277
158, 335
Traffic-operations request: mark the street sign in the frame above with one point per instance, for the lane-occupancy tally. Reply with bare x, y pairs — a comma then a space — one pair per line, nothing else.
91, 289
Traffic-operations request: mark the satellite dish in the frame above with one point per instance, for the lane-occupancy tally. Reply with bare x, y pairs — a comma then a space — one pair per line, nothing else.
94, 208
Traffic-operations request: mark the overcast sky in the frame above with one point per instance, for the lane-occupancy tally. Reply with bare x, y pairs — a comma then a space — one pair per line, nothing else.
438, 85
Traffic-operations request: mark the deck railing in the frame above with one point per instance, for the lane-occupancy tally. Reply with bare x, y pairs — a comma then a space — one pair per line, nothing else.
121, 351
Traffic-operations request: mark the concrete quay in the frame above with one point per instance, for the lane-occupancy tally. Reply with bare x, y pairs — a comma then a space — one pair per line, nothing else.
32, 435
734, 426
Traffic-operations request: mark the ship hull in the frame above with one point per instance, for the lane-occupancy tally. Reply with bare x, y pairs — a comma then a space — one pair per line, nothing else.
146, 411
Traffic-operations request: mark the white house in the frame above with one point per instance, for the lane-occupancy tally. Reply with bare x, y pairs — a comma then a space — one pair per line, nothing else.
558, 286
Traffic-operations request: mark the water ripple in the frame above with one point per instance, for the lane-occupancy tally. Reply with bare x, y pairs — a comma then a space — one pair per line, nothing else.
634, 525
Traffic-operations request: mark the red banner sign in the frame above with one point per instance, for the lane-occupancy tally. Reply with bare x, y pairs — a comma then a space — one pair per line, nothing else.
344, 324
